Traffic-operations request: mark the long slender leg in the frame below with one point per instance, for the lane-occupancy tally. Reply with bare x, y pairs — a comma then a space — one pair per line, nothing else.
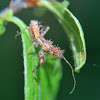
34, 43
47, 28
72, 74
42, 58
20, 32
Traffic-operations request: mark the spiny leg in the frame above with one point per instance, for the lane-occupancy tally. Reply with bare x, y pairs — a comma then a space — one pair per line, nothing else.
41, 58
34, 44
44, 32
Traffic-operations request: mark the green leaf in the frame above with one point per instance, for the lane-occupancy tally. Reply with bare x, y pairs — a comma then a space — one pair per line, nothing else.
2, 28
7, 14
45, 82
72, 29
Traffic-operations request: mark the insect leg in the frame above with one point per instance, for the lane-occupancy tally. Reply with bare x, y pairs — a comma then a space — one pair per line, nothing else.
34, 43
41, 58
44, 32
72, 74
20, 32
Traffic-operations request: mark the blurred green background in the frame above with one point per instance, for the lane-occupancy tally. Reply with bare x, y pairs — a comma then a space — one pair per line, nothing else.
11, 60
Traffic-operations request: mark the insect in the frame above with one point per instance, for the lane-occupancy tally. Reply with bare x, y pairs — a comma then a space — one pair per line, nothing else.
37, 32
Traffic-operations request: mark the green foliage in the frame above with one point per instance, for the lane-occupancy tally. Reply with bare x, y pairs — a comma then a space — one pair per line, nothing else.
2, 28
72, 29
45, 82
7, 14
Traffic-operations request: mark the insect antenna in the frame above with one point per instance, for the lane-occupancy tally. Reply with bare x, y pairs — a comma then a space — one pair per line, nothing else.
72, 74
20, 32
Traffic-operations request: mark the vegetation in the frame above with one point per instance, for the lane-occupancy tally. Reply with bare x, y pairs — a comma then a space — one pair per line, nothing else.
46, 80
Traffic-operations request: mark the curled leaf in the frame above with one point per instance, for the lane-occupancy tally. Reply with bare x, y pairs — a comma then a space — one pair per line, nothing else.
72, 29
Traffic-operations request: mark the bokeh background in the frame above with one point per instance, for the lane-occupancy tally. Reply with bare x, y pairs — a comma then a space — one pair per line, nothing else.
11, 60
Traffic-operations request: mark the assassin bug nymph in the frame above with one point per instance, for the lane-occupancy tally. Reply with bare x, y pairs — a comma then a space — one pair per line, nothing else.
37, 33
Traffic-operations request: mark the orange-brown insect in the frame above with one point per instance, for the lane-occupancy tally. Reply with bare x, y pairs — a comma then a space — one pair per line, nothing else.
37, 33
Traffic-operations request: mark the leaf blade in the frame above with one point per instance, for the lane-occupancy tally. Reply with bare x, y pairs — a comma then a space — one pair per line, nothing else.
68, 20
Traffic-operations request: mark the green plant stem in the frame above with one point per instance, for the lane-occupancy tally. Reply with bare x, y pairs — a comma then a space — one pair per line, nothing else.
30, 61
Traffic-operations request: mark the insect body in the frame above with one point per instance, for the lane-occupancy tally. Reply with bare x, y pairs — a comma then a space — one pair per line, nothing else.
37, 33
46, 45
